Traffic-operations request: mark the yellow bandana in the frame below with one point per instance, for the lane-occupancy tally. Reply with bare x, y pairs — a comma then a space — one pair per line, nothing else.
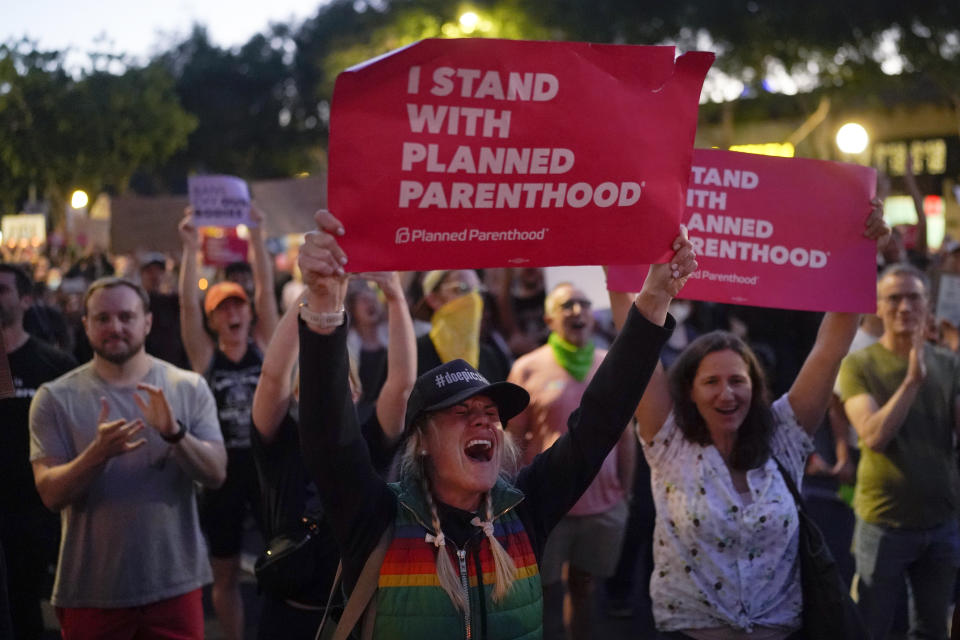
455, 329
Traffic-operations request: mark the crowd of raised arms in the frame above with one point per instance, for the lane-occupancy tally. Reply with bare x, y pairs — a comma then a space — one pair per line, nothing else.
456, 453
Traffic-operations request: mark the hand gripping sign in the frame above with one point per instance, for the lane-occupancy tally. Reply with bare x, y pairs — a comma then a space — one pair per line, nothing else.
481, 153
776, 232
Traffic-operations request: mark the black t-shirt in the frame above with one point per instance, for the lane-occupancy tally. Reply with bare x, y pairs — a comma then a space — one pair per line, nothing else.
233, 384
288, 493
164, 340
528, 315
373, 373
34, 363
493, 365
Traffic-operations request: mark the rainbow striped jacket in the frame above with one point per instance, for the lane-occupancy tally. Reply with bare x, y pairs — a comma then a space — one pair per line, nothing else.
412, 604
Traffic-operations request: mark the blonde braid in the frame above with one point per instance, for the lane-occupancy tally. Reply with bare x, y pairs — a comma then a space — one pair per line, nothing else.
505, 571
447, 574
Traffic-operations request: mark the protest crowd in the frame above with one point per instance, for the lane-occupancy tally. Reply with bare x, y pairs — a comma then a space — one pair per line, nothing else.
293, 451
232, 429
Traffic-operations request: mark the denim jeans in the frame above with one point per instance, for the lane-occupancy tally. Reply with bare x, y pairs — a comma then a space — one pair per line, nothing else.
927, 558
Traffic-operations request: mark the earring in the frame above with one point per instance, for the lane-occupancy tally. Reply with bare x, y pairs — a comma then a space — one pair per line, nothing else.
423, 452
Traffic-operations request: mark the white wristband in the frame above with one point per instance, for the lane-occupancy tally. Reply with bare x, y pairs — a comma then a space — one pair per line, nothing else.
324, 320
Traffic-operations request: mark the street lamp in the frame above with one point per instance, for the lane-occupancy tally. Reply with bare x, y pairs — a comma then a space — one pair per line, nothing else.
469, 21
79, 199
852, 138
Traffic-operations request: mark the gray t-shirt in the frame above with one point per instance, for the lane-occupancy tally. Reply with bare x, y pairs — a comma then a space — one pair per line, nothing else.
134, 538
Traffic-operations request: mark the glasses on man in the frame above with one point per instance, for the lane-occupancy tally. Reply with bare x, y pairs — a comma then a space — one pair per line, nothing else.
568, 305
894, 299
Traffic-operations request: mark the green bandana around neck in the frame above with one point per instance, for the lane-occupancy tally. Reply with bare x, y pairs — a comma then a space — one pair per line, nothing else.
576, 360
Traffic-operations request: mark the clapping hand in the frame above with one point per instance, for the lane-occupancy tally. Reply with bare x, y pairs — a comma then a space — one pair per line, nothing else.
113, 437
156, 410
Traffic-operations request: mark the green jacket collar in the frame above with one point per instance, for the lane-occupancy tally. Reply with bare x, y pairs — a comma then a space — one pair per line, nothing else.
410, 494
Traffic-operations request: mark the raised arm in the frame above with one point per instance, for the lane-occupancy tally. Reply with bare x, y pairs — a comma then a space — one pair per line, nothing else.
626, 460
910, 180
401, 357
196, 342
655, 405
274, 391
264, 300
357, 500
810, 393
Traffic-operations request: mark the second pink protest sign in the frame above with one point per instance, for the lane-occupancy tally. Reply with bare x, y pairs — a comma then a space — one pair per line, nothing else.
776, 232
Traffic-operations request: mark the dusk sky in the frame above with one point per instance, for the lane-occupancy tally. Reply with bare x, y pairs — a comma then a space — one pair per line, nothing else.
138, 28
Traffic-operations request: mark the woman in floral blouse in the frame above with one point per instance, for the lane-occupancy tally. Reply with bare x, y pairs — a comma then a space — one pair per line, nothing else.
725, 539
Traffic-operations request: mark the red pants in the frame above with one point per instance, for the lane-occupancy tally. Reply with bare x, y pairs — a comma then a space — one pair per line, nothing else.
179, 618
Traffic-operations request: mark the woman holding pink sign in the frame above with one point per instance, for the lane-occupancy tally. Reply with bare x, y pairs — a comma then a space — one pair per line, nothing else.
723, 459
229, 356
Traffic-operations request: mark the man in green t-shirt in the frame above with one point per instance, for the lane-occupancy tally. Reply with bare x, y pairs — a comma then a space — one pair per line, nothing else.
901, 397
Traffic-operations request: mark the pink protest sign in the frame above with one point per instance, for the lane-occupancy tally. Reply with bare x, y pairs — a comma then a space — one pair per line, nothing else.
481, 153
776, 232
221, 250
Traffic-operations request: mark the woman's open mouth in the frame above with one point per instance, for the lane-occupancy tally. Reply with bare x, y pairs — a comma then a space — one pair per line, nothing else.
728, 411
479, 450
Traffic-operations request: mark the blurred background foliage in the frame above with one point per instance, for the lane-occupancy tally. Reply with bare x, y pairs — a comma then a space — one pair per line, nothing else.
261, 110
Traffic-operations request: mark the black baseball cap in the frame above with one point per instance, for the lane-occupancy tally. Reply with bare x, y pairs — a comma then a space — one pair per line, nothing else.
455, 381
151, 258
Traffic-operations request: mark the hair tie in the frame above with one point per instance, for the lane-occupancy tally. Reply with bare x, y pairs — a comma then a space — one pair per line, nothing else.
437, 540
486, 525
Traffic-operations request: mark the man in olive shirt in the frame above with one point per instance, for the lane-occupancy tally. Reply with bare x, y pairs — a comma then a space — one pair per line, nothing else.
901, 397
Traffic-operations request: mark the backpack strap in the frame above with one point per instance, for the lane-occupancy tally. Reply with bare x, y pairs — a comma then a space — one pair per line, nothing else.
361, 599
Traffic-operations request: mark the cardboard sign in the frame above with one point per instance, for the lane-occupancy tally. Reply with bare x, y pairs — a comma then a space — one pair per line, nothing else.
776, 232
88, 232
948, 298
290, 203
25, 228
482, 153
219, 201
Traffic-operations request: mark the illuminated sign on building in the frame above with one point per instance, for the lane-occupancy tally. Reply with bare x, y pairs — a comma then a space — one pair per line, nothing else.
779, 149
929, 157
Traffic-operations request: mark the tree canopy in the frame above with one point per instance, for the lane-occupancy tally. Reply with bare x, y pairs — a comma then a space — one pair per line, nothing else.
59, 132
261, 110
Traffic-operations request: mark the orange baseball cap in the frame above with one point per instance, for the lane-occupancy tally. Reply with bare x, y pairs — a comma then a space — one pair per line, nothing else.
220, 292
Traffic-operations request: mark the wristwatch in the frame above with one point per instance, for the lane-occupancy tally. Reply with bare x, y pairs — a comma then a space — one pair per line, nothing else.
178, 436
324, 320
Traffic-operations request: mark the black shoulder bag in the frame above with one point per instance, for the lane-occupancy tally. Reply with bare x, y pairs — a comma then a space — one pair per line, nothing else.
286, 568
828, 611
